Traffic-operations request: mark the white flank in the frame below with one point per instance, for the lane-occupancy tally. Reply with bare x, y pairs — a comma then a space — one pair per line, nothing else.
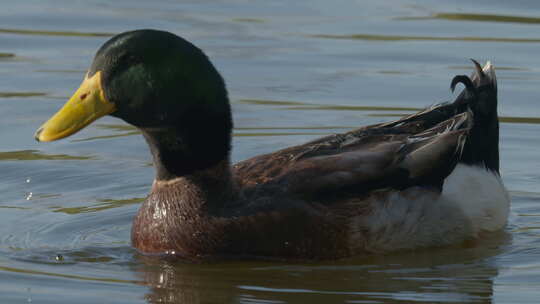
473, 200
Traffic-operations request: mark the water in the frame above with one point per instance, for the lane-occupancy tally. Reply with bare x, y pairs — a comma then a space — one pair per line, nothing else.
295, 70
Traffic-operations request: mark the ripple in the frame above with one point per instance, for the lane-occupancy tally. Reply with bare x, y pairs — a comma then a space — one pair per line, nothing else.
476, 17
502, 119
521, 120
54, 33
294, 128
446, 296
374, 37
38, 155
499, 68
250, 20
61, 71
14, 207
21, 94
278, 134
353, 108
526, 194
107, 136
120, 130
297, 105
270, 102
101, 205
116, 127
63, 275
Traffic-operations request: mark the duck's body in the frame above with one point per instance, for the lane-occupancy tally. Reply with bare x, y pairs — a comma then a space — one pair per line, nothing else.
257, 225
428, 179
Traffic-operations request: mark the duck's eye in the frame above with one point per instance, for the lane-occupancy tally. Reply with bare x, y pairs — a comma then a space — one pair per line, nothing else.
83, 96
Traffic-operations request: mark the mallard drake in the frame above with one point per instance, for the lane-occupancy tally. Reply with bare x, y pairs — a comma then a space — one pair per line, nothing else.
428, 179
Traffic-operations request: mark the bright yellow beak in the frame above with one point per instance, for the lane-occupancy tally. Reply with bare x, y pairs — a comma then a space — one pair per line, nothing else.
86, 105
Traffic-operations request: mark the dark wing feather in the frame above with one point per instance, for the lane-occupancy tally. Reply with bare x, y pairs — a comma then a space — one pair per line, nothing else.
419, 149
362, 159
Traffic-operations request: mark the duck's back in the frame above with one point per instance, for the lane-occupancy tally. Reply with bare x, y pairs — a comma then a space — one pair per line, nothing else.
425, 180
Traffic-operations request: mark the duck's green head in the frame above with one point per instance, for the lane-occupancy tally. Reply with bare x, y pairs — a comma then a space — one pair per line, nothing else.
150, 79
163, 85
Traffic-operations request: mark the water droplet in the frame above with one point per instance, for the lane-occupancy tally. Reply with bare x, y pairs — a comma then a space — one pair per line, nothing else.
29, 196
28, 180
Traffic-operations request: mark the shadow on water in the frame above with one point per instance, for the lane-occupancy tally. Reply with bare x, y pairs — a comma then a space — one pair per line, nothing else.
439, 275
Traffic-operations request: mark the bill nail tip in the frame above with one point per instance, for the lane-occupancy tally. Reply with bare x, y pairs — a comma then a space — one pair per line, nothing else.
36, 135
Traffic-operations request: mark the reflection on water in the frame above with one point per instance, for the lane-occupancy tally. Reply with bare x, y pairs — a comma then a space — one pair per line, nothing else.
440, 275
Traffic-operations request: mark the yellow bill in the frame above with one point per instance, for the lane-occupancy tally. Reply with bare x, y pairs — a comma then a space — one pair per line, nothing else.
86, 105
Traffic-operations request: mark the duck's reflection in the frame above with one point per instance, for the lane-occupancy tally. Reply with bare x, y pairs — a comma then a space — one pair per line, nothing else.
461, 274
177, 282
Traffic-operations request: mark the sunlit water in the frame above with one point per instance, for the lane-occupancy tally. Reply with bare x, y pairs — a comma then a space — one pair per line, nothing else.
295, 70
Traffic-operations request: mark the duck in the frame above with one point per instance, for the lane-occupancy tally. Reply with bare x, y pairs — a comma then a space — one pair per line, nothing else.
428, 179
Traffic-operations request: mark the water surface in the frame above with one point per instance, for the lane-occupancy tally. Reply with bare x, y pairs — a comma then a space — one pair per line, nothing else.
295, 70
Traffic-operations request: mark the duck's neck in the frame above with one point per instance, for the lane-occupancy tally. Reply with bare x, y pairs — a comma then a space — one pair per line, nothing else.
192, 165
197, 142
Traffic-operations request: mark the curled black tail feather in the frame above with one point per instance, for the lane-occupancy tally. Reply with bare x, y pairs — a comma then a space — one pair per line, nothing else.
478, 70
482, 146
467, 82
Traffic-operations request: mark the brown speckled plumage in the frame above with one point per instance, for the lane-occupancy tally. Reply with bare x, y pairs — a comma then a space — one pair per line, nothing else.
198, 217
